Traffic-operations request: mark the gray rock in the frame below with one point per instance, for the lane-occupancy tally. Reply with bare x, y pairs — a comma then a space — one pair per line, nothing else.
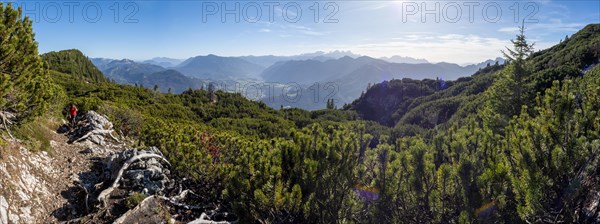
98, 139
3, 210
148, 175
93, 127
145, 212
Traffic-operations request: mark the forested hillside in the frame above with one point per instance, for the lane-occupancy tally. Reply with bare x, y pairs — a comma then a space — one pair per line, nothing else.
453, 100
513, 143
127, 71
218, 68
73, 62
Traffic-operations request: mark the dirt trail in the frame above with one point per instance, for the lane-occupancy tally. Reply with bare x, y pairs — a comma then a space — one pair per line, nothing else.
39, 187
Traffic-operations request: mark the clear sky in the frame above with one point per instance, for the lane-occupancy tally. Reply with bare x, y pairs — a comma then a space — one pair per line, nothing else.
465, 32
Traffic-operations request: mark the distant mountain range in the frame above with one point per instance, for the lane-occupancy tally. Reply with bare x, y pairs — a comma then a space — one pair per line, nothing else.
401, 59
101, 63
164, 62
365, 68
348, 72
170, 79
269, 60
344, 79
135, 73
215, 67
127, 71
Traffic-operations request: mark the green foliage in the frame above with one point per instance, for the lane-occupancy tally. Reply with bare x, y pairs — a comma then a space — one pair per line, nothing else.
424, 104
24, 89
36, 134
307, 177
432, 113
331, 104
543, 79
126, 120
580, 50
134, 199
74, 63
509, 93
384, 101
552, 148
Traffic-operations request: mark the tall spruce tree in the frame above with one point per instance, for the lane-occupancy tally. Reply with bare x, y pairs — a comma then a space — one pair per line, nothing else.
506, 96
516, 57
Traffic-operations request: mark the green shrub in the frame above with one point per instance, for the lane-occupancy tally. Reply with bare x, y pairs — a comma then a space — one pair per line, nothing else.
128, 121
36, 134
134, 199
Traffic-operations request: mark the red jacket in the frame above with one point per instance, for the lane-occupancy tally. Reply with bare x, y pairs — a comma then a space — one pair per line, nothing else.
73, 111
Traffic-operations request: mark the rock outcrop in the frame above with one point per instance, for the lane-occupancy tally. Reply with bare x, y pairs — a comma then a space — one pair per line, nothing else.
90, 126
144, 172
91, 177
24, 186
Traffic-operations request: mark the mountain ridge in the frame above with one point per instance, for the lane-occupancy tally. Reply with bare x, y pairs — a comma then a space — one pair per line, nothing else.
75, 63
349, 73
216, 67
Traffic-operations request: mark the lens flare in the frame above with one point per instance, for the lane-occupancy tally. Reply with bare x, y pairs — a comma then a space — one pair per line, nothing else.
487, 209
366, 193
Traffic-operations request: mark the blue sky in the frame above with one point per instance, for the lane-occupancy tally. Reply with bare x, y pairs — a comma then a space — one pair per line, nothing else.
466, 32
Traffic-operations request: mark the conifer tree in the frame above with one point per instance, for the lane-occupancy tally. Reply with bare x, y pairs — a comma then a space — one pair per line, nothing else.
517, 57
24, 88
330, 104
506, 96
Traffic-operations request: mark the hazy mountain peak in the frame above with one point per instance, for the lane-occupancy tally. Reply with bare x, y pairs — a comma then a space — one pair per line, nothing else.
124, 60
216, 67
403, 59
486, 62
331, 54
164, 61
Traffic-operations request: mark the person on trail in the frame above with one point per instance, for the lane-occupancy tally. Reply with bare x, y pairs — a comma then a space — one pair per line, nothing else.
72, 115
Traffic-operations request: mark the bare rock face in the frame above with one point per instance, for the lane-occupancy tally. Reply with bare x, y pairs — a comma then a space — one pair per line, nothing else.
151, 210
25, 193
3, 210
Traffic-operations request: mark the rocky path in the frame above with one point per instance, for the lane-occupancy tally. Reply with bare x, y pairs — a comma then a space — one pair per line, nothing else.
38, 187
90, 176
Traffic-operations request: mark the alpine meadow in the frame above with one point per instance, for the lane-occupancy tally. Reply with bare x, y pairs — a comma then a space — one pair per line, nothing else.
90, 139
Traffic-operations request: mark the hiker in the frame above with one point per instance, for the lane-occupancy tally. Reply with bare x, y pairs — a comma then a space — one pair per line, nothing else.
72, 115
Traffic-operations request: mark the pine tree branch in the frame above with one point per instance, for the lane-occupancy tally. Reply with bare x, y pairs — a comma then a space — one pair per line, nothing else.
5, 117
